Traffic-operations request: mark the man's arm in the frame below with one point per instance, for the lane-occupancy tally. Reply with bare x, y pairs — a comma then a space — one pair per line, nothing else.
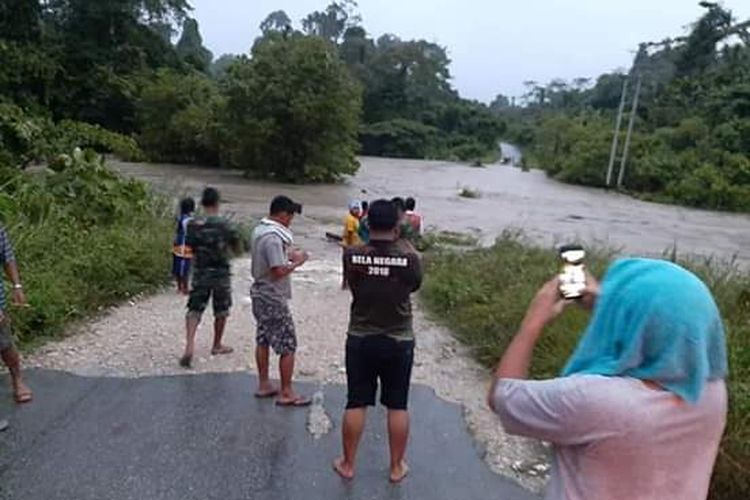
415, 263
11, 269
278, 272
282, 265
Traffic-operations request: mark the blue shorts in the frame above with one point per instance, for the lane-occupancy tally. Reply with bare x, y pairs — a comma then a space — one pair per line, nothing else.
181, 267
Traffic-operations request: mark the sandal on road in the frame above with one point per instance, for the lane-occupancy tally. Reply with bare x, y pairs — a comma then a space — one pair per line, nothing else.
298, 402
267, 394
217, 351
186, 361
23, 396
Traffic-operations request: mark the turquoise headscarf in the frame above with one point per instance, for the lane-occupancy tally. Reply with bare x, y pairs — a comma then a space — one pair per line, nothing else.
654, 321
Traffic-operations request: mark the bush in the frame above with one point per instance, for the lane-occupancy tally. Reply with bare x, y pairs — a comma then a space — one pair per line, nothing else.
399, 138
68, 135
177, 116
467, 192
84, 237
482, 295
26, 138
292, 111
20, 136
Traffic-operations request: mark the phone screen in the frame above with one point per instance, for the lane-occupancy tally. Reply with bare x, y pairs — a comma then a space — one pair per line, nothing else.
573, 273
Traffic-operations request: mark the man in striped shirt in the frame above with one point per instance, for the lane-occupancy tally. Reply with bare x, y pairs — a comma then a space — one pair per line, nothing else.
8, 351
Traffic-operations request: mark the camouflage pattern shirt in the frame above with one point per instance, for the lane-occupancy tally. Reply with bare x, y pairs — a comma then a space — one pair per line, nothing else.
213, 240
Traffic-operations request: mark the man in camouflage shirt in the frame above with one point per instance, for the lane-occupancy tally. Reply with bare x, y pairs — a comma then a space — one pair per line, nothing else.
213, 239
8, 351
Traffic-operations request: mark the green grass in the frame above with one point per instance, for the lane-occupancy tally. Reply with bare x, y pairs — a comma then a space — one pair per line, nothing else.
84, 239
482, 295
442, 239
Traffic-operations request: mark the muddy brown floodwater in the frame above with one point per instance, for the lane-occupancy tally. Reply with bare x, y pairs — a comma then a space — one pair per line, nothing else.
546, 210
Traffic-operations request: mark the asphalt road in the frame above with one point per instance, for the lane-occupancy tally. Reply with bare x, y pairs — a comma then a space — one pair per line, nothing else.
205, 437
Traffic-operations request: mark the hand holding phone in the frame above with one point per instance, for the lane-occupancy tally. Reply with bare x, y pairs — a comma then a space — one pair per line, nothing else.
572, 277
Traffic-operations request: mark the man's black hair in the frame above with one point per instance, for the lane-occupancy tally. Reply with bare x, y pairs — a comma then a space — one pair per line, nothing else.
187, 206
211, 197
365, 205
382, 216
400, 203
284, 204
410, 203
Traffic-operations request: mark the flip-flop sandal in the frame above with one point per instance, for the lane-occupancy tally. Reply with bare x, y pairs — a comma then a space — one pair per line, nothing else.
222, 350
186, 361
300, 402
267, 395
336, 468
23, 397
406, 473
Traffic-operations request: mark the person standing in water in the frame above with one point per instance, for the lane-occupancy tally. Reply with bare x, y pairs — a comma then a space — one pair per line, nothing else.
213, 240
182, 253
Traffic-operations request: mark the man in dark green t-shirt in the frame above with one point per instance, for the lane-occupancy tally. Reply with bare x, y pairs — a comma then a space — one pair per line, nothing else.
213, 240
382, 275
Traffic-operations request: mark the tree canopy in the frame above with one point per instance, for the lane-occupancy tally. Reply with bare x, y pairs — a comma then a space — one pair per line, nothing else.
692, 125
299, 106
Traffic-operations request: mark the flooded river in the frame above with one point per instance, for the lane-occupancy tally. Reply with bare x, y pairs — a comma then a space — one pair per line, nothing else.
546, 210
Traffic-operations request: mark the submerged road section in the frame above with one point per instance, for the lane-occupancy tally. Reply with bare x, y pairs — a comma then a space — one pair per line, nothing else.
205, 437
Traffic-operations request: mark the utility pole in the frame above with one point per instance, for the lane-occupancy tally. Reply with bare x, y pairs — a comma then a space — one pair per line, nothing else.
616, 138
633, 112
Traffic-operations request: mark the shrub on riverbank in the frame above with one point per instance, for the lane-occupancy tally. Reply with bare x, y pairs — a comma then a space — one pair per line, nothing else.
84, 237
482, 295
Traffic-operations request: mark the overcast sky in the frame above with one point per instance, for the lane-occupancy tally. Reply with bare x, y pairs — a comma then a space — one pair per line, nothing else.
495, 45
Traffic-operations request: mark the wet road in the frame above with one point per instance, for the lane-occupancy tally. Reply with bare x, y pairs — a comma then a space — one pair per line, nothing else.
546, 210
204, 437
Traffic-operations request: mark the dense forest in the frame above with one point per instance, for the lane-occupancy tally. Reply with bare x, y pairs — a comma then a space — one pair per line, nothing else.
691, 140
133, 77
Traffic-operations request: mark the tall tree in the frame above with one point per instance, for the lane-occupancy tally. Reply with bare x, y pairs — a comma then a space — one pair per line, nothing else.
276, 22
190, 46
699, 51
292, 111
332, 23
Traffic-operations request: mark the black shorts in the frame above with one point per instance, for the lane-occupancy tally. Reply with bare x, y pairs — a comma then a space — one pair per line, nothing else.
378, 357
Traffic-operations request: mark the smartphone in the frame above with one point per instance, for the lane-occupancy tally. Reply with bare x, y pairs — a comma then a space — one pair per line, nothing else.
573, 272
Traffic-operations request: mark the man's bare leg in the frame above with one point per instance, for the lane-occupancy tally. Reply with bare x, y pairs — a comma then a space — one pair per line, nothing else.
191, 327
288, 397
351, 433
12, 360
265, 389
219, 326
398, 437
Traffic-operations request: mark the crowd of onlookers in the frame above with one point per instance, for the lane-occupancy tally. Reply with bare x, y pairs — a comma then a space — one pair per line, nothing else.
637, 413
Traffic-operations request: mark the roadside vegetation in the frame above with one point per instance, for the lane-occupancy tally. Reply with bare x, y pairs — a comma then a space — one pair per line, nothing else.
85, 239
691, 144
482, 295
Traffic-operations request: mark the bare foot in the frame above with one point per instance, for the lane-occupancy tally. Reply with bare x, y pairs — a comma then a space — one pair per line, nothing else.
400, 472
222, 349
346, 472
22, 393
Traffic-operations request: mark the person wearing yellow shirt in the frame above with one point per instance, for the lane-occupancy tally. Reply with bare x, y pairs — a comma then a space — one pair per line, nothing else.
350, 238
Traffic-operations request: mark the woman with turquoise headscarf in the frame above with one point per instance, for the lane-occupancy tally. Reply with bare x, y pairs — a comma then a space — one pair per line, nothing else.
640, 408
